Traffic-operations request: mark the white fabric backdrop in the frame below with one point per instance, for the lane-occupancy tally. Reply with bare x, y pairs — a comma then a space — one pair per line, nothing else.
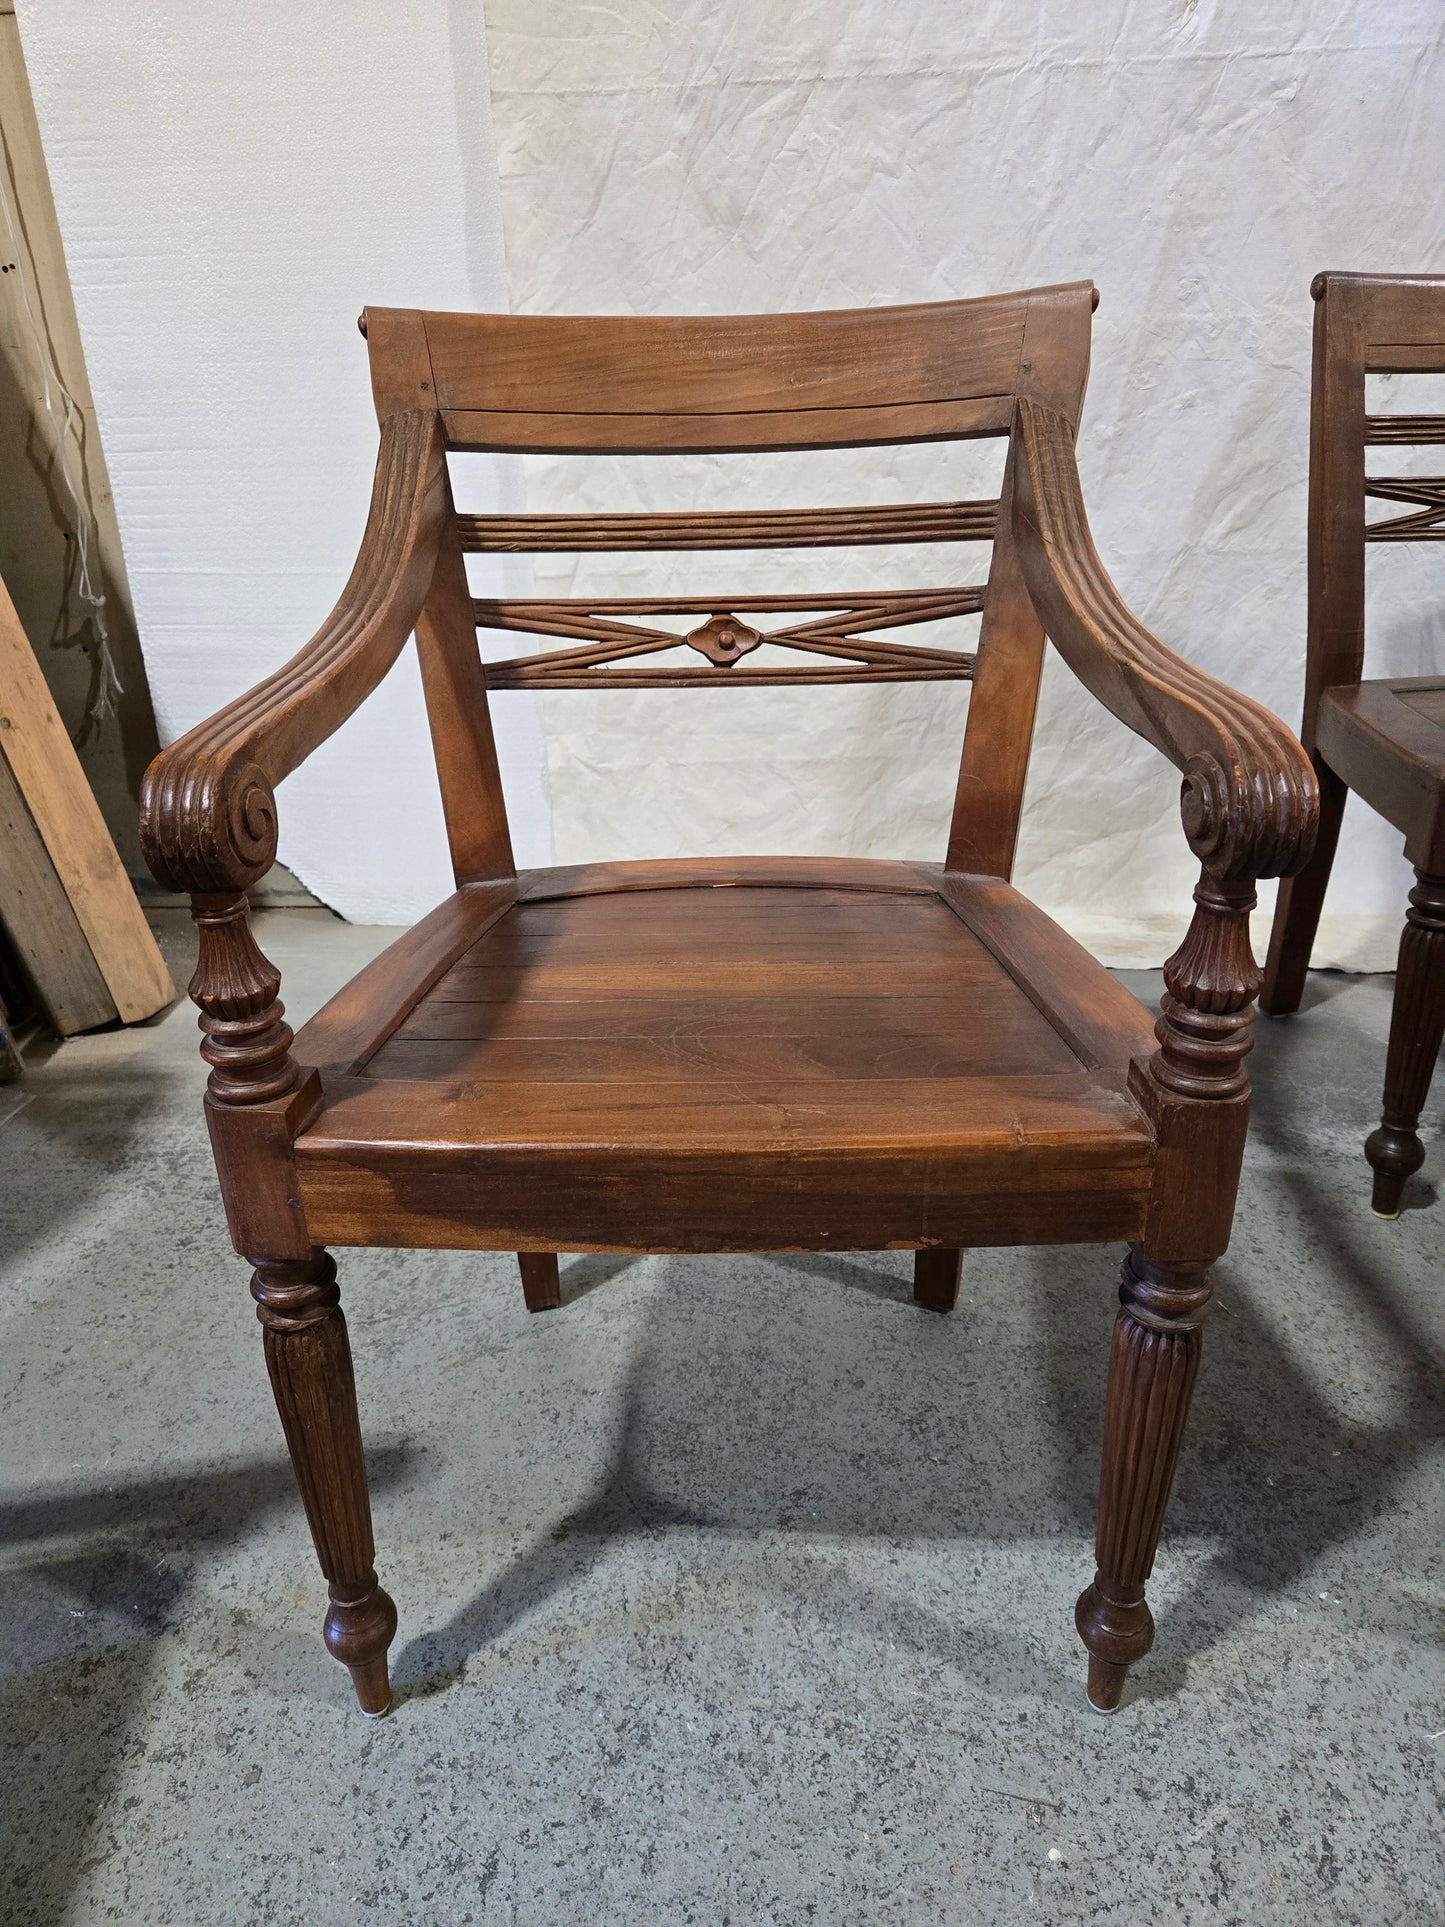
1199, 161
234, 184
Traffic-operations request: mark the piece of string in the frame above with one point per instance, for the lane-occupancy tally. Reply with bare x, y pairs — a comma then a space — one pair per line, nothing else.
62, 422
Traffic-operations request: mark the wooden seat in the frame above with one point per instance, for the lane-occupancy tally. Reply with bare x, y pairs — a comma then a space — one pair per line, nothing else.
1384, 739
749, 1054
837, 1044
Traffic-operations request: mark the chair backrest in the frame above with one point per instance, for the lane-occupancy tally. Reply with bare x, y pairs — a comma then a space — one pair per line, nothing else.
676, 384
1365, 324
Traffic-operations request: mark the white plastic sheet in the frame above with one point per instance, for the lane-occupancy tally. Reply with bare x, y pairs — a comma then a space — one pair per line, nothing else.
1200, 162
233, 186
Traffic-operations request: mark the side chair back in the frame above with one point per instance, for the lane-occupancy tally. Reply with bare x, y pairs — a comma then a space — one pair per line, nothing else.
1383, 738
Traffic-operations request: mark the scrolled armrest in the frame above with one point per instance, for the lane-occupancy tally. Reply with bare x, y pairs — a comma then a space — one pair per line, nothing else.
1250, 802
208, 812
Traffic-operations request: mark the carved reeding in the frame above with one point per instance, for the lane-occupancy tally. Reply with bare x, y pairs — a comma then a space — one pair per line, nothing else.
247, 1042
308, 1357
1206, 1028
1250, 801
1153, 1361
208, 811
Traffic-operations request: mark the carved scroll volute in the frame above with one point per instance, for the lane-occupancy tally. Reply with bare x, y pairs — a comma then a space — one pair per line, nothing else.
1207, 1024
247, 1042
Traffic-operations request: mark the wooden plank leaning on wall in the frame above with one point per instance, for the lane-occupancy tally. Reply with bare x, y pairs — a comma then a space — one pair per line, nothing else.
64, 897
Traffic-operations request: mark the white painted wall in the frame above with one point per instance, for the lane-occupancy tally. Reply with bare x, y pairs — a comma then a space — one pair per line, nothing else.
1200, 159
234, 184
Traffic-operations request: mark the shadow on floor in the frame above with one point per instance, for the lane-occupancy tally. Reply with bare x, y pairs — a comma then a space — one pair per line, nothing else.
93, 1581
1273, 1474
88, 1123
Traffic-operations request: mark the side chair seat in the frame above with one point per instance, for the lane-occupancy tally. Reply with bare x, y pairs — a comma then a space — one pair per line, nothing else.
713, 1056
1385, 739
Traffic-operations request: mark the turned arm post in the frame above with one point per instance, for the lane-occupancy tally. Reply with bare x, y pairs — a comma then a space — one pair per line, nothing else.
208, 826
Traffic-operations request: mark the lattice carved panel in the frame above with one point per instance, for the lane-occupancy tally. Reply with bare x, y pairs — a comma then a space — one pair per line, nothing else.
834, 646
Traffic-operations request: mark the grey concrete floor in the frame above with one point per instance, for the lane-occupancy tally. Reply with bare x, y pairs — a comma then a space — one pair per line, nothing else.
737, 1590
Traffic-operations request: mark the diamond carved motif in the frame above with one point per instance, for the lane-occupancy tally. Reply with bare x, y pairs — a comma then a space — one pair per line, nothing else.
723, 640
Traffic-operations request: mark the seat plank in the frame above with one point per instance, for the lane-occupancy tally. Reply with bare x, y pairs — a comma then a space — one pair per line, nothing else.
920, 996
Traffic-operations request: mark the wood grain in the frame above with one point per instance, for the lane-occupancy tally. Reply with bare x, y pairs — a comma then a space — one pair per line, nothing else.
751, 1053
1360, 735
902, 522
47, 771
42, 926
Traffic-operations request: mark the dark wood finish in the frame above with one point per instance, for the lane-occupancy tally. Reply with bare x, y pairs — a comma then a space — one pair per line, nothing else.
1417, 1026
744, 1054
1152, 1364
541, 1285
1384, 739
308, 1357
936, 1275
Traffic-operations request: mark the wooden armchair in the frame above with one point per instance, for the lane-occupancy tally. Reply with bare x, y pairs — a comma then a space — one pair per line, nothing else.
1383, 739
733, 1055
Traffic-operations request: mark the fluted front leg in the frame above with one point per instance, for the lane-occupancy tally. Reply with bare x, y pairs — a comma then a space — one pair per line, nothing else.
309, 1359
1417, 1024
1152, 1363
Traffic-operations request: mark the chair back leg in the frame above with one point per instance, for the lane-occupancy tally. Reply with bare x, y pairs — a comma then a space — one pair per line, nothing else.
541, 1285
1298, 905
936, 1274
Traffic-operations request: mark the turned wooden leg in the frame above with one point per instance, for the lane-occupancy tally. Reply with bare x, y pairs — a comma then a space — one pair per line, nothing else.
1417, 1024
309, 1359
1297, 907
1152, 1364
936, 1273
541, 1286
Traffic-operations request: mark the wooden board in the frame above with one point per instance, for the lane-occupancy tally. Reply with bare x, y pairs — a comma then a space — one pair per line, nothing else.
46, 771
739, 1062
41, 924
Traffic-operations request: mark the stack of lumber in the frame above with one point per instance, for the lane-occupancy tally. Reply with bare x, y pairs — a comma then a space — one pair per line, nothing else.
66, 902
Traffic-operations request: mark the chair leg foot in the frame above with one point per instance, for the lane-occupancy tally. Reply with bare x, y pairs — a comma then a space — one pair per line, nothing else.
1152, 1365
1393, 1156
541, 1283
360, 1626
308, 1357
1417, 1027
1106, 1685
936, 1274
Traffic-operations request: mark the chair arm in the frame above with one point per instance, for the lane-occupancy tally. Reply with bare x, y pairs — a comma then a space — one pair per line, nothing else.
1250, 802
208, 815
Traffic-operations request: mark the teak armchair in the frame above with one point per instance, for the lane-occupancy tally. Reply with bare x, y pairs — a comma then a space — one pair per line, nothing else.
720, 1055
1383, 739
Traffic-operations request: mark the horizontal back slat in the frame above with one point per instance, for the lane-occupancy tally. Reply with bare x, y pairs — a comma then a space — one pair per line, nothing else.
569, 434
731, 529
1404, 431
1403, 320
728, 364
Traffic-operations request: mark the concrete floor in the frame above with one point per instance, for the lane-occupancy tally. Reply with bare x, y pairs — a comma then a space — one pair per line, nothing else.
736, 1591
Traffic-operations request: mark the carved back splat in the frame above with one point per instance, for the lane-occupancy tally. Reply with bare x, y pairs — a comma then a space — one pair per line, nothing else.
655, 384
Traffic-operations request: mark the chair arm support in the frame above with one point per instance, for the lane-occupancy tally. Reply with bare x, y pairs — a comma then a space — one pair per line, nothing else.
208, 815
1250, 802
